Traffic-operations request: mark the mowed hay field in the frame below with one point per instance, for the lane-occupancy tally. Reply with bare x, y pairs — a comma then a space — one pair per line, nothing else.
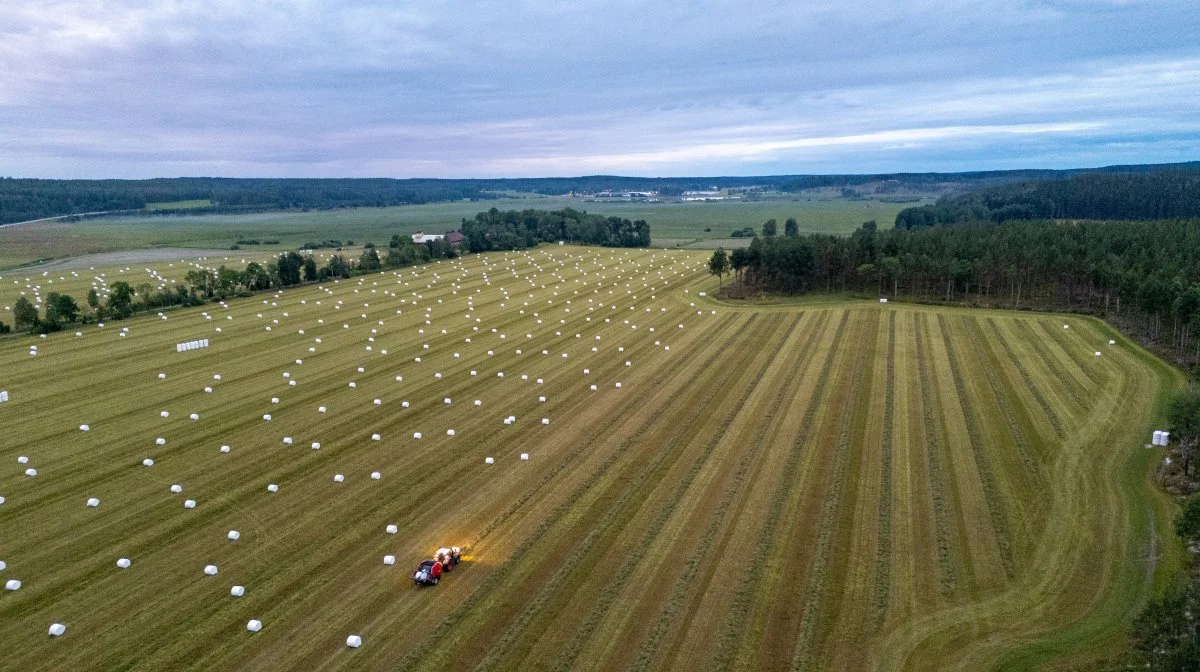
844, 487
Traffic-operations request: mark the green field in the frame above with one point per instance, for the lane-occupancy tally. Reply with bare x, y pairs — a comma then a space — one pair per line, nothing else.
672, 224
838, 486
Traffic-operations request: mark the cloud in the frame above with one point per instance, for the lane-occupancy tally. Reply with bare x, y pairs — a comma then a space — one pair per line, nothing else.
330, 88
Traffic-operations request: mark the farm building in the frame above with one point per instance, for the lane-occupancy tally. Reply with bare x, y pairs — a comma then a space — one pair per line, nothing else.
422, 237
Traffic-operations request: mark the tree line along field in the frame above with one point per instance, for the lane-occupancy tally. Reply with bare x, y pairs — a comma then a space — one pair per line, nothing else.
671, 223
843, 486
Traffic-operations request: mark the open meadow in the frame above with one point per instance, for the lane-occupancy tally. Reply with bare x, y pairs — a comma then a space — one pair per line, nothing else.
673, 224
836, 486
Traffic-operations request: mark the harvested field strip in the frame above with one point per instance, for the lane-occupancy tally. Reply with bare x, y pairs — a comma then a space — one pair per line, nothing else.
883, 555
736, 622
1043, 405
1060, 374
947, 572
687, 582
819, 582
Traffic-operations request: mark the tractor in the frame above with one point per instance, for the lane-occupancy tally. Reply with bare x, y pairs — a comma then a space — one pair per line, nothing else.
429, 572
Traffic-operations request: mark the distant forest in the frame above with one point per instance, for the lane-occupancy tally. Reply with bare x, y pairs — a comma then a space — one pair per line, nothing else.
24, 199
1164, 194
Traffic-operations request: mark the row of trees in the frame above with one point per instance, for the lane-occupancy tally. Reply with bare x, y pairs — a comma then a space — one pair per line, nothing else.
1142, 276
123, 300
516, 230
1163, 194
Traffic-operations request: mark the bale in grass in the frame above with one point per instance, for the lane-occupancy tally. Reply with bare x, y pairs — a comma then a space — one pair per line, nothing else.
375, 475
489, 460
148, 462
354, 641
376, 437
93, 502
316, 445
177, 488
237, 591
189, 504
160, 441
287, 440
272, 488
165, 414
224, 449
254, 625
389, 559
449, 432
392, 529
57, 629
338, 478
525, 457
233, 535
267, 417
84, 428
320, 409
123, 563
416, 435
210, 570
12, 584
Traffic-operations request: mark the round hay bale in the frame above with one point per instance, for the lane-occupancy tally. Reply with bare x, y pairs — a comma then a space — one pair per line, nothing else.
160, 441
210, 570
524, 457
84, 428
12, 584
237, 591
267, 417
254, 625
177, 488
195, 416
123, 563
93, 502
338, 478
321, 409
416, 435
354, 641
489, 460
57, 629
225, 449
287, 440
272, 488
316, 445
389, 559
449, 432
189, 504
233, 535
375, 475
376, 437
165, 414
147, 462
392, 529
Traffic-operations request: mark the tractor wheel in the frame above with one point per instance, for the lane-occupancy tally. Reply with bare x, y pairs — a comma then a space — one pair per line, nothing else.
436, 579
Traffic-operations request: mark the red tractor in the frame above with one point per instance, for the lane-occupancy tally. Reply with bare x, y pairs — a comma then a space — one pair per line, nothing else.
429, 572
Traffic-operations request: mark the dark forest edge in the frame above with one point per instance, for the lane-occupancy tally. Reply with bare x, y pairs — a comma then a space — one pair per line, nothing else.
1173, 192
24, 199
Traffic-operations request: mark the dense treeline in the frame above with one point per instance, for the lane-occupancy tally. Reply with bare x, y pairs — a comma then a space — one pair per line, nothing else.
1143, 276
24, 199
1164, 194
515, 230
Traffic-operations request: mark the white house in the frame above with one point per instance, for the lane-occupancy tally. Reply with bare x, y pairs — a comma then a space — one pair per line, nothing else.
421, 237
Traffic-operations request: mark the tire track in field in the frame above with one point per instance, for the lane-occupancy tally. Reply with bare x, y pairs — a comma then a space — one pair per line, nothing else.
883, 556
1001, 394
817, 584
496, 578
727, 642
947, 576
628, 506
1047, 409
991, 494
686, 583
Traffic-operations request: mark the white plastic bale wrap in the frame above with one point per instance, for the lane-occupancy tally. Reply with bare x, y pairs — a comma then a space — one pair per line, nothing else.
57, 629
254, 625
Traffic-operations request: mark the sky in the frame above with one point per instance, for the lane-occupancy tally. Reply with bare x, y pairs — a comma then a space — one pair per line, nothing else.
528, 88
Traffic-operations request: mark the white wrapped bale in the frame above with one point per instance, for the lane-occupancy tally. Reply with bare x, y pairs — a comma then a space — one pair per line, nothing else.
392, 529
177, 488
148, 462
489, 460
165, 414
320, 409
85, 428
316, 445
267, 417
354, 641
376, 437
123, 563
57, 629
210, 570
545, 421
524, 457
449, 432
233, 535
237, 591
160, 441
389, 559
12, 584
254, 625
189, 504
287, 440
22, 460
375, 475
416, 435
93, 502
338, 478
1112, 342
194, 416
272, 488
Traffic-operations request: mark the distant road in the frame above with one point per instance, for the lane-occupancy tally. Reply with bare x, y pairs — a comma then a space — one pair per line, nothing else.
78, 214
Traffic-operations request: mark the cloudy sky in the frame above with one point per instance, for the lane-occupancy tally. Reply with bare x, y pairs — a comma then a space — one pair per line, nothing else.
460, 88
